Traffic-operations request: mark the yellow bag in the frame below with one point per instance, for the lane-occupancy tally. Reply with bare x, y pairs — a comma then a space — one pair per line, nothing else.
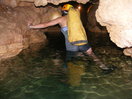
76, 32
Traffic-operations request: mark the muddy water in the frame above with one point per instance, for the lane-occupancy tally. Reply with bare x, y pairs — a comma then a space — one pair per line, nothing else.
43, 74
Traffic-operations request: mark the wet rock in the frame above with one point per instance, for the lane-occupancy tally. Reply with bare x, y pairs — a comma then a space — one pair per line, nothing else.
128, 52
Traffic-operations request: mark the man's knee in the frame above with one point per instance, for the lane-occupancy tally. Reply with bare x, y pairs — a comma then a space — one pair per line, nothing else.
89, 51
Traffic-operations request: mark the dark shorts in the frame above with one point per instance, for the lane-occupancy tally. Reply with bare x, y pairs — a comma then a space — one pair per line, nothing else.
84, 48
81, 50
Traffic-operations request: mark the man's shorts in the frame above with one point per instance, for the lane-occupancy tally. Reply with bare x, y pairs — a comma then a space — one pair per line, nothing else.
81, 48
84, 48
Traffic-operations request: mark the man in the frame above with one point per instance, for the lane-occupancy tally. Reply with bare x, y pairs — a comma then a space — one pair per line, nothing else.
62, 21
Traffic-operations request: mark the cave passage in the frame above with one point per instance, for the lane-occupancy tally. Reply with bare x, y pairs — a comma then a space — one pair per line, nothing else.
42, 74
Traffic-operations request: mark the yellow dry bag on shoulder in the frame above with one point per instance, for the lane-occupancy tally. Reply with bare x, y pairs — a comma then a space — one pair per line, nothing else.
76, 32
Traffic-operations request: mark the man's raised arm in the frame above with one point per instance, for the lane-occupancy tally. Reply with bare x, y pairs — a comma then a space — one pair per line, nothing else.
46, 24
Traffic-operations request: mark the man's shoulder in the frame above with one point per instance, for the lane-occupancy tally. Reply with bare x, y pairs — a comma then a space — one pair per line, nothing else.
63, 18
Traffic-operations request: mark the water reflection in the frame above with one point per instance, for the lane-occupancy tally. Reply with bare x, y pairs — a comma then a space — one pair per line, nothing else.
44, 74
75, 67
74, 73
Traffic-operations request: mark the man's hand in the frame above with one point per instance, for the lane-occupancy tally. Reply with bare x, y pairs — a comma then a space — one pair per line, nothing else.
29, 24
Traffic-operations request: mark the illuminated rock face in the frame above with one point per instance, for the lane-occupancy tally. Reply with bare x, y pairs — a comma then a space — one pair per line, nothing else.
116, 15
14, 33
128, 52
14, 3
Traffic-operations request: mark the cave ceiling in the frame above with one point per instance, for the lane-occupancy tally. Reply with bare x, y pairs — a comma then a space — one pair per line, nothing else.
45, 2
56, 2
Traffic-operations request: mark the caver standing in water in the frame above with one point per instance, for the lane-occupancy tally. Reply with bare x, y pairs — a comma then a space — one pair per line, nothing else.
77, 46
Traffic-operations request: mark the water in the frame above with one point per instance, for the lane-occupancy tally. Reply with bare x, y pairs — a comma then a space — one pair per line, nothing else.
43, 75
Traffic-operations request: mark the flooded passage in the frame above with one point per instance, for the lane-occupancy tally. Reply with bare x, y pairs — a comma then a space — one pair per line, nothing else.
43, 74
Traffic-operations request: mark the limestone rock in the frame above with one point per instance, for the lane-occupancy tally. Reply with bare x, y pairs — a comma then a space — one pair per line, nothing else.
14, 3
40, 2
14, 32
56, 2
116, 16
128, 52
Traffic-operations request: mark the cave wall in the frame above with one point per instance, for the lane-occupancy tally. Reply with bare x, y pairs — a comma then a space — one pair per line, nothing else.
14, 3
14, 18
15, 34
110, 13
116, 16
92, 24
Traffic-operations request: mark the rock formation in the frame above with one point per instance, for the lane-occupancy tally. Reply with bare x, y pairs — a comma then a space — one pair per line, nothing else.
15, 3
14, 17
92, 24
116, 16
14, 32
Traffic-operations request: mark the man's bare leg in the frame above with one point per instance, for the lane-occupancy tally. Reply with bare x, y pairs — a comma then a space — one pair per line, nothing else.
96, 59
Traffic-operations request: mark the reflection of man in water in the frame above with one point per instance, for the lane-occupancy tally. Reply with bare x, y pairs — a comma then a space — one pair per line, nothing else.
62, 21
74, 72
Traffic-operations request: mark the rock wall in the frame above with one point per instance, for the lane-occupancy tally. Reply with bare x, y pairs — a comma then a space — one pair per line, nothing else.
14, 3
14, 32
92, 24
116, 16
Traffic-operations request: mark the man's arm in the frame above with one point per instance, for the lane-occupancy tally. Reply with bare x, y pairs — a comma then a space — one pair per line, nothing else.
47, 24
